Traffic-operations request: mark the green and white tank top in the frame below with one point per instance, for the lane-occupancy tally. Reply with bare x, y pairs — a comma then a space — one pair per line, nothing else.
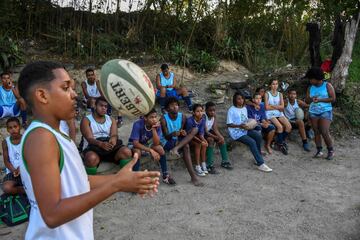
14, 151
74, 181
99, 129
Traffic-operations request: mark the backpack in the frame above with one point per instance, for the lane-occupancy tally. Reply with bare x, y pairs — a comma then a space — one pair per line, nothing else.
14, 209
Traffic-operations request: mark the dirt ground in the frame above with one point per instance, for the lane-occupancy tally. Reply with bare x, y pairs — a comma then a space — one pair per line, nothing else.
303, 198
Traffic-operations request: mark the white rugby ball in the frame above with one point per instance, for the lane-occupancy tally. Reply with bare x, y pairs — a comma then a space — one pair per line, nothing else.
299, 114
251, 123
127, 88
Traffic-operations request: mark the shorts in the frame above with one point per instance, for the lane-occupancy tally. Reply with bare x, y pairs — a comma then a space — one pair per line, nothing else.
103, 154
263, 130
328, 115
169, 93
10, 177
10, 111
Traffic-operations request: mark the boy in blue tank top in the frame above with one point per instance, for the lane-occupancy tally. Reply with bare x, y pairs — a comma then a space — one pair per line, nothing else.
320, 95
11, 153
167, 87
173, 127
47, 89
11, 103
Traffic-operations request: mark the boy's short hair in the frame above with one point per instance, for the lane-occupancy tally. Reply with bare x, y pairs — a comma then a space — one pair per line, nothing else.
209, 105
164, 66
36, 73
236, 94
291, 90
5, 73
13, 119
195, 106
315, 73
257, 90
171, 100
89, 70
257, 93
100, 99
150, 112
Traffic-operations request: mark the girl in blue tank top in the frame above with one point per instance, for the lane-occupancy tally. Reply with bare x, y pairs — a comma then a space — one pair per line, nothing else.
320, 95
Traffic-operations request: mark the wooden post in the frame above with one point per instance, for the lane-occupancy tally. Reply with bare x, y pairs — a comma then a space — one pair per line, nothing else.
341, 69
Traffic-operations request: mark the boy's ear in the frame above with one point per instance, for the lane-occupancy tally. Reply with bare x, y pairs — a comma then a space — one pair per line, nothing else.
41, 95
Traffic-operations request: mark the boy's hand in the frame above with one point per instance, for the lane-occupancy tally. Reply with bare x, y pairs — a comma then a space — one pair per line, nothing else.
156, 125
265, 124
221, 139
106, 146
154, 155
16, 172
113, 141
204, 143
143, 182
175, 134
183, 133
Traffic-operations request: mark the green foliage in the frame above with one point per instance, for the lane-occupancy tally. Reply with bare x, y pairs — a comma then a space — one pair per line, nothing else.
203, 61
354, 69
10, 53
229, 48
179, 55
350, 103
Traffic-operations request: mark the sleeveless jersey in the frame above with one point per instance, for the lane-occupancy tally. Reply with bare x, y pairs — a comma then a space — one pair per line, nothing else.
209, 123
320, 92
290, 110
74, 181
173, 125
273, 101
167, 81
7, 97
99, 129
14, 152
64, 127
92, 90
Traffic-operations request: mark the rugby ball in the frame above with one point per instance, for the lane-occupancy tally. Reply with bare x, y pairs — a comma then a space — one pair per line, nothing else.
127, 88
299, 114
251, 123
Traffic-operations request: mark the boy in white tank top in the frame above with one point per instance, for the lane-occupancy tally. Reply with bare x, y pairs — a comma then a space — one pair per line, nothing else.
11, 153
61, 194
101, 142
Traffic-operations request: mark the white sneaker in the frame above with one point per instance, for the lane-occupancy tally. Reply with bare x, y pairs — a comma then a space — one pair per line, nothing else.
199, 171
204, 169
263, 167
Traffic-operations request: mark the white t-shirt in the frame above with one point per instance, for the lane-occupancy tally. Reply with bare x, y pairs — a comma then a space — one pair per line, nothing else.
237, 116
14, 152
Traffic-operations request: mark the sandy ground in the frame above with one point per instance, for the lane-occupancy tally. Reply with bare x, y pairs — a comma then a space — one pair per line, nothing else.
303, 198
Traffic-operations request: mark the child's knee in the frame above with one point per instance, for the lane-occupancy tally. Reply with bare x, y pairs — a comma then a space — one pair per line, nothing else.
159, 149
8, 187
92, 159
210, 140
126, 152
279, 128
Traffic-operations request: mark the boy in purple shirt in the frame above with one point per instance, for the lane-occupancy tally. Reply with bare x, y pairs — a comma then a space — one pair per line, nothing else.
197, 121
257, 112
145, 137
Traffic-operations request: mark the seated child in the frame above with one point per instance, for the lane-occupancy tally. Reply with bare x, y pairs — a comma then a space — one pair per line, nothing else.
146, 137
11, 152
101, 140
61, 195
212, 136
257, 111
173, 124
290, 108
197, 121
274, 106
236, 118
11, 103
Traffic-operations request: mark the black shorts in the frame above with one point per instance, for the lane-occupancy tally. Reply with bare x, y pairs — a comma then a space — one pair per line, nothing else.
103, 154
11, 177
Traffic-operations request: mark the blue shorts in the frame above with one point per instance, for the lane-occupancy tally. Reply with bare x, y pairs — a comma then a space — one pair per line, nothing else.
170, 144
325, 115
10, 111
265, 130
169, 93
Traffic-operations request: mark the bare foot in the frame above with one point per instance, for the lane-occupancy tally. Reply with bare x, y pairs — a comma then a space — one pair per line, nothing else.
268, 149
263, 153
197, 183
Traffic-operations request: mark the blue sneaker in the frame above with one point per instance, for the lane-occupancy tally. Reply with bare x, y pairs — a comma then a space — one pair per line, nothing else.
306, 147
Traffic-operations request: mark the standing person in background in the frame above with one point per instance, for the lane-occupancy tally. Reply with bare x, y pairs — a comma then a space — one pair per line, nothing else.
321, 95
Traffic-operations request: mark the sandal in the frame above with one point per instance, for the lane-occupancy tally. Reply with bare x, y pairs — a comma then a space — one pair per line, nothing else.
169, 180
226, 165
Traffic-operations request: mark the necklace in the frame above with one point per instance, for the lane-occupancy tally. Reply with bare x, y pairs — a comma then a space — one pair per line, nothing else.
147, 128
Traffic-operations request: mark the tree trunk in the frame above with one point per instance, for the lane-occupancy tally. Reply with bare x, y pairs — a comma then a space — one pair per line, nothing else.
341, 70
337, 41
314, 43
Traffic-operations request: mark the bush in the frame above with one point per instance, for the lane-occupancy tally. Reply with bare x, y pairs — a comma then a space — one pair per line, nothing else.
202, 61
10, 53
354, 69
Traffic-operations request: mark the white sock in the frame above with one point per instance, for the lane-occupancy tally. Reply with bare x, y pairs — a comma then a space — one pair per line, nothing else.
203, 165
197, 167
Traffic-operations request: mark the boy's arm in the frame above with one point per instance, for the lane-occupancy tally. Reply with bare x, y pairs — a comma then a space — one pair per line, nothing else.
216, 129
113, 132
174, 83
97, 82
158, 83
156, 136
302, 104
72, 129
7, 163
165, 129
44, 171
281, 106
83, 87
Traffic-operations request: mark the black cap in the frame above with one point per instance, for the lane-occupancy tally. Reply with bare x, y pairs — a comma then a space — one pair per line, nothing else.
315, 73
